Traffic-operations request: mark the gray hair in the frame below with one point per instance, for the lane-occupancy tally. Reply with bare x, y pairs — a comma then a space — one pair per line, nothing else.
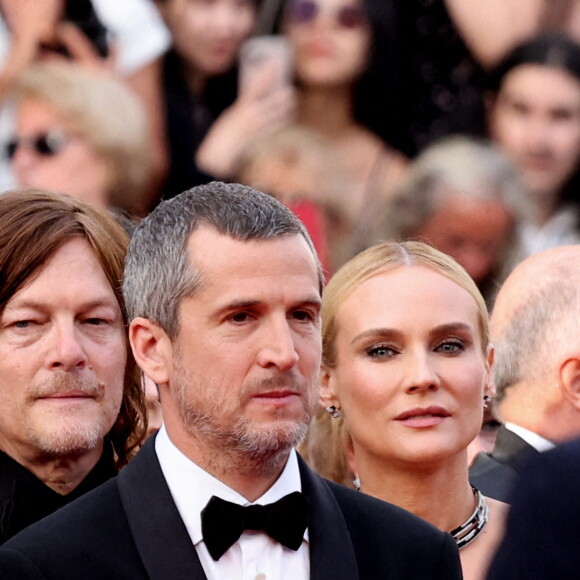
543, 327
471, 167
158, 270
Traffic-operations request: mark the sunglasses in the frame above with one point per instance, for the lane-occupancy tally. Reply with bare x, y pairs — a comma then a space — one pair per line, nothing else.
46, 144
305, 11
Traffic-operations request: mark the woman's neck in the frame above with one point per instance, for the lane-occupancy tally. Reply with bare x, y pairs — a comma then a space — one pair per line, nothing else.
442, 495
327, 111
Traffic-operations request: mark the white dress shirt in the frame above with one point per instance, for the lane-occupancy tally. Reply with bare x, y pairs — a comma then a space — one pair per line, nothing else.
538, 442
255, 556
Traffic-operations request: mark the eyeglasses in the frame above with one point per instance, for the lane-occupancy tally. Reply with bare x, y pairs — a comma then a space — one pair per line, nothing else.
305, 11
46, 144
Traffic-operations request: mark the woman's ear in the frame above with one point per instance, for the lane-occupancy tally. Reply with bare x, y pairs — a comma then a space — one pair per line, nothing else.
327, 392
489, 386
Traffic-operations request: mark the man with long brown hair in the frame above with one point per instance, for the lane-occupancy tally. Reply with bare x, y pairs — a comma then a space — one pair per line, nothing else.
71, 410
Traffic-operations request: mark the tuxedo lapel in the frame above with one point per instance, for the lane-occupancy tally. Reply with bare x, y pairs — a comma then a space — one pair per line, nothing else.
159, 532
510, 449
331, 551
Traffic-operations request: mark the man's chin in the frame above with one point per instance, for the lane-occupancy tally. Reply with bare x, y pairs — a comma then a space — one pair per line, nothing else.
66, 440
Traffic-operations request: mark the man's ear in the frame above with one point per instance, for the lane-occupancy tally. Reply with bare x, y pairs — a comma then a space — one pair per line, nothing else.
569, 379
152, 349
327, 393
489, 386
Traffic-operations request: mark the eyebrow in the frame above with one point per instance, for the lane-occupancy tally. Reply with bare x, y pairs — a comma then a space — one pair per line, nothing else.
105, 301
394, 334
241, 304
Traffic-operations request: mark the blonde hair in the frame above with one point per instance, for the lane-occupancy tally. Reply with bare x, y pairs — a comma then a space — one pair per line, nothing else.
385, 257
326, 445
107, 115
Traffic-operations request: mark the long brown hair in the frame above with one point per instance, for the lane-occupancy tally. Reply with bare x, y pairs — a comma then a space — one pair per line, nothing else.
34, 225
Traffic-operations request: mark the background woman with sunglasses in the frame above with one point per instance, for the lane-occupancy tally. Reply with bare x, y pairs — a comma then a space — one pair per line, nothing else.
341, 63
82, 133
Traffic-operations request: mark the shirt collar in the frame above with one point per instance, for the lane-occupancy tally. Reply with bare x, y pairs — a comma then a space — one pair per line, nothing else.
192, 487
538, 442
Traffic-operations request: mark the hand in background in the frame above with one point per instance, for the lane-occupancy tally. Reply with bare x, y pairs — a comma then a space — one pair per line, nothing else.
263, 107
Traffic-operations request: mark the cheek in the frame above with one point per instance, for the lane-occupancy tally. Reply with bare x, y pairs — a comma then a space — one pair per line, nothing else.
363, 390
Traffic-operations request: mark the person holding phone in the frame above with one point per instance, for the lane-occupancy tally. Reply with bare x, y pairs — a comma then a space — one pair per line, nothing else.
123, 38
208, 122
341, 67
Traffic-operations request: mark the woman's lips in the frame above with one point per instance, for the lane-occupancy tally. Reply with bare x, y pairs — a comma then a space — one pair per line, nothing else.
421, 417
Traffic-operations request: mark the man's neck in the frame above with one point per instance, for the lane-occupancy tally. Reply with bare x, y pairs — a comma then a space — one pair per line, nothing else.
251, 477
61, 474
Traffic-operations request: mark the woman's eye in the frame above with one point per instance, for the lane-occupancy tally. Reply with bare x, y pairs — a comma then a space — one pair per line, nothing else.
451, 347
380, 351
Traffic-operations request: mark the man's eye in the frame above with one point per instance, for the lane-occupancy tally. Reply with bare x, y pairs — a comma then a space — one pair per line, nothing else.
240, 317
303, 315
22, 323
95, 321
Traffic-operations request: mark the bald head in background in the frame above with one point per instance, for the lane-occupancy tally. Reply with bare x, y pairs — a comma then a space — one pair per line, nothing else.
535, 330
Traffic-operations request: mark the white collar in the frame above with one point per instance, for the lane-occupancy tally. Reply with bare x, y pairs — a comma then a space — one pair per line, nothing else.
192, 487
538, 442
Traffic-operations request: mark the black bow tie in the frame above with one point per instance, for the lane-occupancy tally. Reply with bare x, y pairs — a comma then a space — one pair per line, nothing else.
223, 522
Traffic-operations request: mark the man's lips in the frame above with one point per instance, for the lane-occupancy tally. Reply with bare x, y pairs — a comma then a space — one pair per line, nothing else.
423, 416
279, 397
67, 395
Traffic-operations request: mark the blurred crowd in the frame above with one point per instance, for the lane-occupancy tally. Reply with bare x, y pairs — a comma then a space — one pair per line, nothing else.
454, 124
448, 122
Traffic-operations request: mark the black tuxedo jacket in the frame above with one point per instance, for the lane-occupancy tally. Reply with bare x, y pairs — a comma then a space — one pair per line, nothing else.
495, 473
129, 528
542, 540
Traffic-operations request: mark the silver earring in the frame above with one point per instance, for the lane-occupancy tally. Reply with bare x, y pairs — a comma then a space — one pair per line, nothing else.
356, 483
486, 401
334, 412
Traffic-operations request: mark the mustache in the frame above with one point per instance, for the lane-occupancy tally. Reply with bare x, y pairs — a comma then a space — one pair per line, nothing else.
65, 383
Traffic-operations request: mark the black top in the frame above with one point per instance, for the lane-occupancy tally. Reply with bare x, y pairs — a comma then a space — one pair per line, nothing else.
130, 528
25, 499
188, 118
443, 83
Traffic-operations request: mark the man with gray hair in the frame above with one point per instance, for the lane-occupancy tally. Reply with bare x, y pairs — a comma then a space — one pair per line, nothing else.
223, 291
536, 337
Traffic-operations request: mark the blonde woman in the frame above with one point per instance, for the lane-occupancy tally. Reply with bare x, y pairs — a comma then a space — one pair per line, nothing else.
406, 368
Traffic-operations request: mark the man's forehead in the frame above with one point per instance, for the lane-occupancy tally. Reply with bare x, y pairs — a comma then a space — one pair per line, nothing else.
72, 266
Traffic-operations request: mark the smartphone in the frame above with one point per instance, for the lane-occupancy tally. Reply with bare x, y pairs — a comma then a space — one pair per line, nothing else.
261, 52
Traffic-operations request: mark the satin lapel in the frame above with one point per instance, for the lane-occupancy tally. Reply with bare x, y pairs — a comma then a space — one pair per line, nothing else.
160, 535
331, 551
510, 449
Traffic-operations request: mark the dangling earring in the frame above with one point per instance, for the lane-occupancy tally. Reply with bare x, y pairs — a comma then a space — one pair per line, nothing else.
334, 412
356, 482
486, 401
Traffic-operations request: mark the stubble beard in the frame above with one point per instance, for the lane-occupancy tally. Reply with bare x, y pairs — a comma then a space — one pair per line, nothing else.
67, 434
246, 444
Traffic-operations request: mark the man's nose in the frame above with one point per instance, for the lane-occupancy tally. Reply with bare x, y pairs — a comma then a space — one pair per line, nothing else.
278, 347
66, 351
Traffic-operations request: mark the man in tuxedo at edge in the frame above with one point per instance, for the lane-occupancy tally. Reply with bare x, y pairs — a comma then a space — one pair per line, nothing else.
534, 329
223, 288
